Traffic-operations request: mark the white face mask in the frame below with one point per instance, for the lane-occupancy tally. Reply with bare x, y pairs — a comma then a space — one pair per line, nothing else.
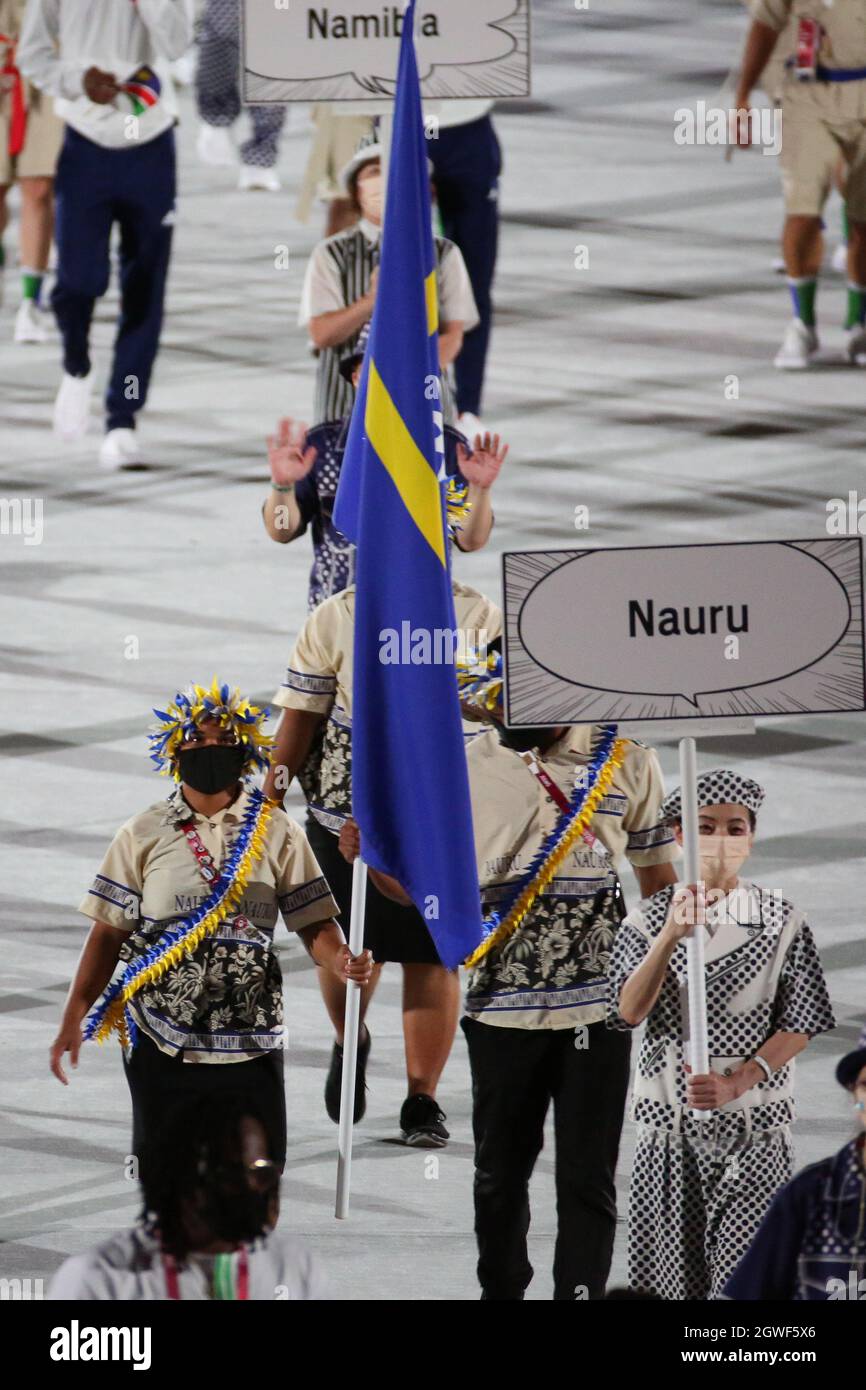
370, 196
722, 855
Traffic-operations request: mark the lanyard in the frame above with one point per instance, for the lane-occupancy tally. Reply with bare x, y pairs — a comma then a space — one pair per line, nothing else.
206, 867
558, 795
18, 116
225, 1287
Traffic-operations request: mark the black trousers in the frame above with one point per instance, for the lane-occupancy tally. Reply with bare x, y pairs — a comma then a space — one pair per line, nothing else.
516, 1072
161, 1085
467, 162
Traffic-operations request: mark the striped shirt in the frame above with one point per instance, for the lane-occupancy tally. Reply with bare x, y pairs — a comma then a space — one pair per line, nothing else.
339, 273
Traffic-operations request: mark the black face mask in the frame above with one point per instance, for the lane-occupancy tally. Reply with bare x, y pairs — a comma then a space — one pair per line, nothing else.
522, 740
212, 768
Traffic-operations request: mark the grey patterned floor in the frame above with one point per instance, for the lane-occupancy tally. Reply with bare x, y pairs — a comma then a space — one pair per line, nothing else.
609, 383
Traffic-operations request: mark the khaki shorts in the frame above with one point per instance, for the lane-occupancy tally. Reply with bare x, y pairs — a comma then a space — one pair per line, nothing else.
335, 140
42, 140
821, 122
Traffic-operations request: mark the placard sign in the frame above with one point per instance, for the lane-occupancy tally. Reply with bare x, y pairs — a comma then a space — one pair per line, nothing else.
347, 51
684, 632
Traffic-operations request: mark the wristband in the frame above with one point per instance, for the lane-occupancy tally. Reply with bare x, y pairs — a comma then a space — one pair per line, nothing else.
764, 1065
283, 487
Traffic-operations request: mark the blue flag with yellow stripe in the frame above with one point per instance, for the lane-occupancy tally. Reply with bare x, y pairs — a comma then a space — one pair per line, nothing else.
410, 791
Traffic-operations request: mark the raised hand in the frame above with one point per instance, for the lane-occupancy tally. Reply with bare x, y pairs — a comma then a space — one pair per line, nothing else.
481, 468
288, 458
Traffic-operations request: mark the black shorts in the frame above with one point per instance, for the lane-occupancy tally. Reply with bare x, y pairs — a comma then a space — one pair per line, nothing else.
391, 931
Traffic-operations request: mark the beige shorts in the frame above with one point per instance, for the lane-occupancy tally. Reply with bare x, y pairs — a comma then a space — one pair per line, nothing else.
821, 123
335, 140
42, 140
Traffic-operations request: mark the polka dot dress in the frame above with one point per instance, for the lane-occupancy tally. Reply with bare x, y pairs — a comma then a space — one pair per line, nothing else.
700, 1188
696, 1202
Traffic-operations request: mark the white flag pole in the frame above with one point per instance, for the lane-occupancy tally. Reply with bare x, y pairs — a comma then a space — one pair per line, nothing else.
350, 1043
699, 1059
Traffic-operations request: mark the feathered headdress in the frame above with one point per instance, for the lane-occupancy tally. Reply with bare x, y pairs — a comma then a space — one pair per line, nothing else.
479, 686
226, 707
457, 505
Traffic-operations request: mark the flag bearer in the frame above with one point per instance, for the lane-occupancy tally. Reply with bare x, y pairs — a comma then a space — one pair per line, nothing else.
701, 1183
314, 742
554, 810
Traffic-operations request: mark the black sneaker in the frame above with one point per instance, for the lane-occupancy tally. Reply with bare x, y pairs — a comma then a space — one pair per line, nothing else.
421, 1123
334, 1081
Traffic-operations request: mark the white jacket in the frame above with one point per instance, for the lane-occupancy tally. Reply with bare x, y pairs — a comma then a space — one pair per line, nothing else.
61, 39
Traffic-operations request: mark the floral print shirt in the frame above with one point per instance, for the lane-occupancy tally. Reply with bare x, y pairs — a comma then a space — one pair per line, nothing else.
224, 1001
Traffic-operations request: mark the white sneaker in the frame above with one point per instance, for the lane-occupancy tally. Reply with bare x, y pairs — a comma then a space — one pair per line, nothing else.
778, 265
215, 145
30, 325
855, 346
470, 425
72, 406
119, 449
252, 177
839, 260
183, 68
799, 346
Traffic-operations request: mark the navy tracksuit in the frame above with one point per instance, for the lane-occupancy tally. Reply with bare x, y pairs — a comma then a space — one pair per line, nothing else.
96, 187
467, 162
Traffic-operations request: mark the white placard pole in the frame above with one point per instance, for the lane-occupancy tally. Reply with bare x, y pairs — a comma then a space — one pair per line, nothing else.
350, 1043
699, 1059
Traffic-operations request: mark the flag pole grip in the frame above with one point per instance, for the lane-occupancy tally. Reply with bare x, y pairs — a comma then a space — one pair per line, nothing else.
698, 1058
350, 1043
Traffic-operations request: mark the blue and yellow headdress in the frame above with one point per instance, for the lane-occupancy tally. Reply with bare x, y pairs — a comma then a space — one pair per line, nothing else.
479, 686
457, 505
227, 707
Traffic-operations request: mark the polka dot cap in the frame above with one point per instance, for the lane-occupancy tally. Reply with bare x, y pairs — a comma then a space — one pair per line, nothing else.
721, 787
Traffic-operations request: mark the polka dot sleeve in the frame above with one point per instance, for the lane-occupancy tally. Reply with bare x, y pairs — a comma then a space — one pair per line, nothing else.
630, 945
802, 1001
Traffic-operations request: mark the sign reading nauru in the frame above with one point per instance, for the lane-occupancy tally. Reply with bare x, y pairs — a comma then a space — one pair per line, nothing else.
684, 631
347, 51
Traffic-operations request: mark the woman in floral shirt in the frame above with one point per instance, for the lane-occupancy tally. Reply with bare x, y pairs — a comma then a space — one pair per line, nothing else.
187, 898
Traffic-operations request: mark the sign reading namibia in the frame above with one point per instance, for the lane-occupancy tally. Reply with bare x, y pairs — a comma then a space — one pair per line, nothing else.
346, 51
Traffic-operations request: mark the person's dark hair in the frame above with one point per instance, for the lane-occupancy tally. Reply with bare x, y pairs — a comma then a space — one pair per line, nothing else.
195, 1139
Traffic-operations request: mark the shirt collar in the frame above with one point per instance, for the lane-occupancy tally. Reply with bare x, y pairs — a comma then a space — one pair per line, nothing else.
177, 809
370, 230
576, 741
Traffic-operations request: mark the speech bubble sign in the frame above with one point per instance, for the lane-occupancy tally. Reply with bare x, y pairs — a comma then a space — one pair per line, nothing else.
357, 40
654, 626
